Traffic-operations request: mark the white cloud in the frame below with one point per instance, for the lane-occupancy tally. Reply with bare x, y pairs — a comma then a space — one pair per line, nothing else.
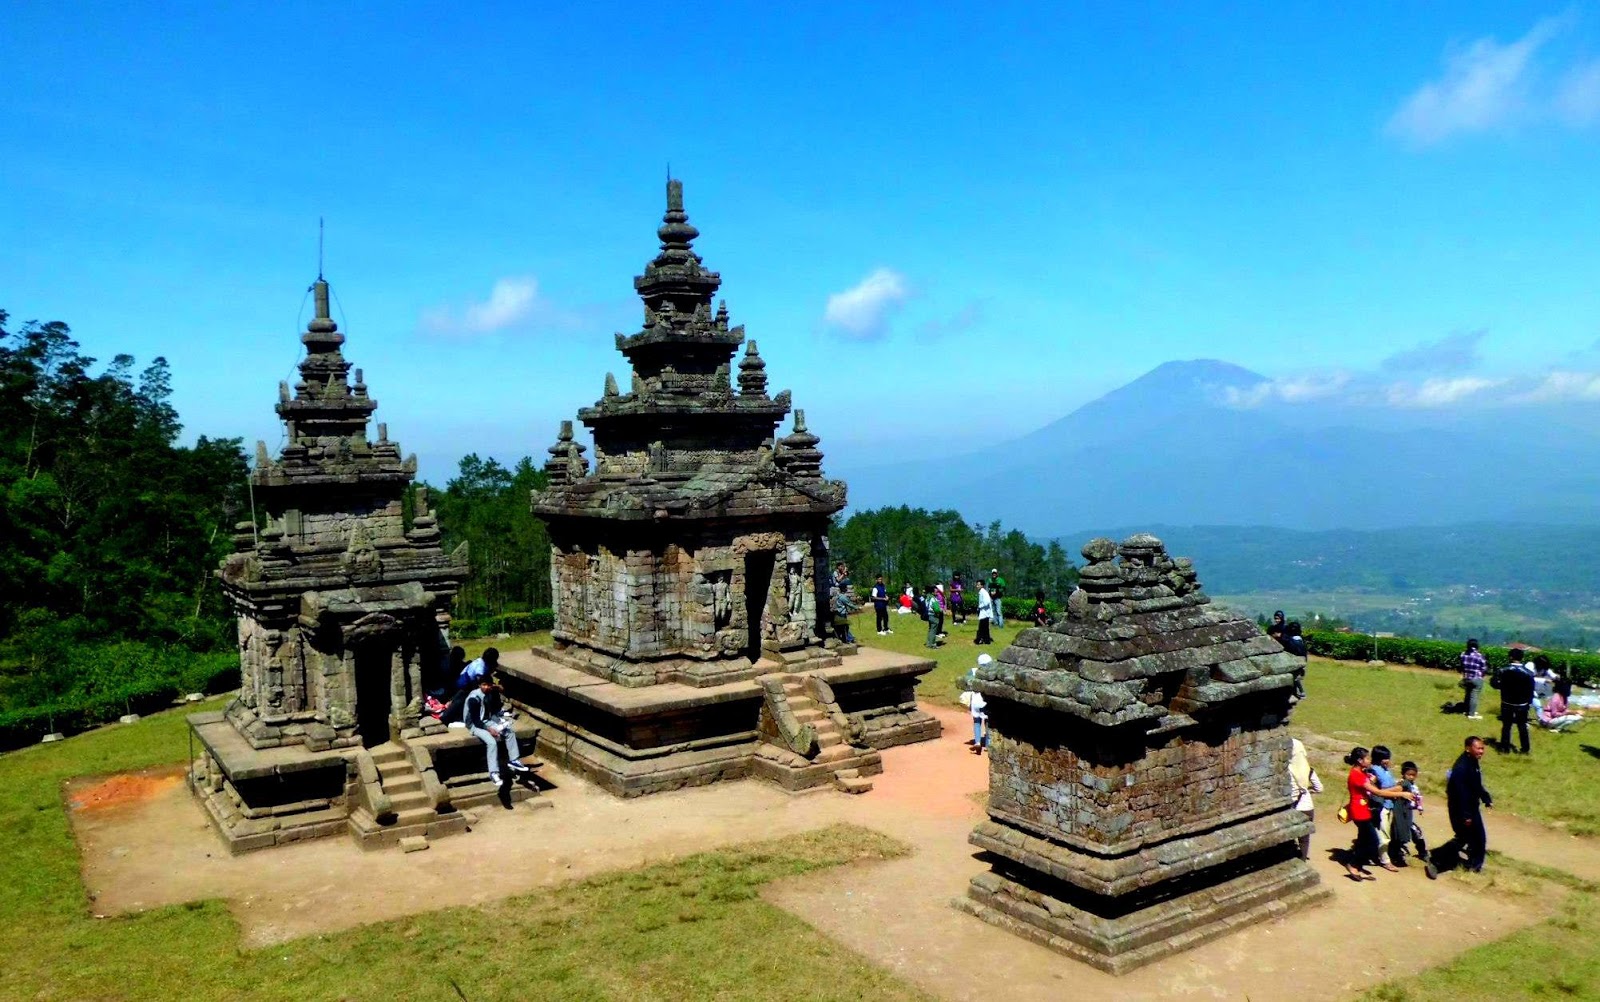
1578, 98
862, 312
1297, 390
1561, 386
1450, 354
1485, 86
1439, 392
512, 301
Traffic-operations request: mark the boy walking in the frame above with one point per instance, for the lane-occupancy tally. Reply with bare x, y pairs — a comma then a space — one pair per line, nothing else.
1403, 827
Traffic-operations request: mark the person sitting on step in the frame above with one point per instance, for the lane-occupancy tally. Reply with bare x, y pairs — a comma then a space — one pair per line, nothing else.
486, 718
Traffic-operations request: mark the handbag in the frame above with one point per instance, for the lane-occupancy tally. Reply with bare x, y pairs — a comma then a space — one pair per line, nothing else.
1344, 814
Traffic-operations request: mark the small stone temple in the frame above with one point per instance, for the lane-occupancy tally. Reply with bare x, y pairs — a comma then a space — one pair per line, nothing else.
690, 571
343, 613
1139, 794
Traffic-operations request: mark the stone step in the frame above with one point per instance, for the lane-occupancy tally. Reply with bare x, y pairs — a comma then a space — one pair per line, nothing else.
406, 801
835, 753
415, 816
409, 782
852, 784
370, 835
387, 753
808, 715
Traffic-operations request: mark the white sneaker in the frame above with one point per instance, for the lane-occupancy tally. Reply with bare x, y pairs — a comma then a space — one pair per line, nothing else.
1474, 716
494, 777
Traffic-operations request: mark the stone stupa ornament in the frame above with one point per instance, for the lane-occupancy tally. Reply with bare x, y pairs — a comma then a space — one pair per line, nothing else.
1139, 794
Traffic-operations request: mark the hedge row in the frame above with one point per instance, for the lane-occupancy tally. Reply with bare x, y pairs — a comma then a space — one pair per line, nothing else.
155, 677
511, 622
1443, 654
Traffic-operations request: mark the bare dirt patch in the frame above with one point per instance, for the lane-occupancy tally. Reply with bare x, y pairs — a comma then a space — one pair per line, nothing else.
160, 850
122, 790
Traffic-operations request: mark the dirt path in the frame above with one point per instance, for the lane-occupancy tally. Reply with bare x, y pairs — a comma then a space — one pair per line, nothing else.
159, 850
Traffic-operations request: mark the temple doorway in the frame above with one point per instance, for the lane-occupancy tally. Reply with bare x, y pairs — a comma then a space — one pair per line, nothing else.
758, 568
372, 694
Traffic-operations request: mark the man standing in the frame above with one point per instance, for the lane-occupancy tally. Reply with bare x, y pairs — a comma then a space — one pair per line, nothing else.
935, 616
997, 591
1473, 667
880, 605
1515, 682
1464, 793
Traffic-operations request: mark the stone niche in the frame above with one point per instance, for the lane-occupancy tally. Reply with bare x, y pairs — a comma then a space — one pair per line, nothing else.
1139, 793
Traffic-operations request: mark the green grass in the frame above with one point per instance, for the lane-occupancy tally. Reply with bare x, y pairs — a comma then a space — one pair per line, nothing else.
515, 642
690, 929
1553, 959
1357, 704
955, 658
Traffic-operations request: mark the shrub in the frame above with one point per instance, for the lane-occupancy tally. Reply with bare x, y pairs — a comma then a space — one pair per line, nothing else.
1442, 654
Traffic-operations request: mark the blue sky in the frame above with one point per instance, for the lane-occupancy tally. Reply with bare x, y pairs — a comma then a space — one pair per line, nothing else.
978, 218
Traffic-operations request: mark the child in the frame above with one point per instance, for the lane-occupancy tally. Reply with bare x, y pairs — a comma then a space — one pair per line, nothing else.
1404, 827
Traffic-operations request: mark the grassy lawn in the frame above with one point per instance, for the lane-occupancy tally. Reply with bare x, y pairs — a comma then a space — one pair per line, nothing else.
1351, 704
1555, 958
955, 657
515, 642
691, 929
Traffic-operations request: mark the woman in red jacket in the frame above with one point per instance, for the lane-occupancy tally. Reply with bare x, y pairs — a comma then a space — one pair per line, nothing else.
1365, 851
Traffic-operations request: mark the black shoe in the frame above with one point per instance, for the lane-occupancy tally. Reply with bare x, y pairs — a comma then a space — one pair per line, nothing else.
1431, 870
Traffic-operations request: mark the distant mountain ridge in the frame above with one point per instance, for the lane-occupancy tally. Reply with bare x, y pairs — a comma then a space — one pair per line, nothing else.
1170, 448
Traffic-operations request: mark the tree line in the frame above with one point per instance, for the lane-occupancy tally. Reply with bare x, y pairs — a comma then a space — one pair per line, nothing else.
920, 547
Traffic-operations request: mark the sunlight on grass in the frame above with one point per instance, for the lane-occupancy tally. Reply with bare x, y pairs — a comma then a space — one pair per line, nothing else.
695, 928
957, 655
1349, 704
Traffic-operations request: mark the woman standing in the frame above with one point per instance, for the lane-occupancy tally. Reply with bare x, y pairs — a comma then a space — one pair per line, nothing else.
1364, 852
1305, 784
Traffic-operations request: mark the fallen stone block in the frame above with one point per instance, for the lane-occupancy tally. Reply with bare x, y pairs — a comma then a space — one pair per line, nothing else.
413, 843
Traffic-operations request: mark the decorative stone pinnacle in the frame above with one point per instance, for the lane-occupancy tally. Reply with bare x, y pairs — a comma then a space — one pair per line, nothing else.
323, 322
611, 384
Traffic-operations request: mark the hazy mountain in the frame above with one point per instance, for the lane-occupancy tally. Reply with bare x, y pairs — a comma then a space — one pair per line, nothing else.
1168, 448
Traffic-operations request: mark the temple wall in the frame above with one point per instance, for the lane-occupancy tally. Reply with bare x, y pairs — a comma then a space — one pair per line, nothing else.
685, 598
1179, 786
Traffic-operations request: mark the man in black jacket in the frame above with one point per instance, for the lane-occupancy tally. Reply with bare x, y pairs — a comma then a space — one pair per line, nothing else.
1515, 682
1464, 793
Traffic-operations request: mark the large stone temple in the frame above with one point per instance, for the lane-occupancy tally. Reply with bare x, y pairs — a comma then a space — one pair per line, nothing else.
1139, 793
690, 572
342, 613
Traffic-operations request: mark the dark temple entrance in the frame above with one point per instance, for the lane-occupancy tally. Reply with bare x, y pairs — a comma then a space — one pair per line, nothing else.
372, 694
757, 583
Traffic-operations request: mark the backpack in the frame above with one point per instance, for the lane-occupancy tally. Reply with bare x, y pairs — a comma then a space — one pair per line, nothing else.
454, 712
921, 606
1295, 645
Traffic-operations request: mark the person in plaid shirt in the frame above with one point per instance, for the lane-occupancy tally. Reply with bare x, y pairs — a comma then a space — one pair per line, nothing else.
1473, 667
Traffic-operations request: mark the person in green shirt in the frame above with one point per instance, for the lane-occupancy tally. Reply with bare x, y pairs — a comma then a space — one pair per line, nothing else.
997, 591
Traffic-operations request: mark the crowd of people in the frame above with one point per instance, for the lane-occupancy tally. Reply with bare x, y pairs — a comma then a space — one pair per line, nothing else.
940, 605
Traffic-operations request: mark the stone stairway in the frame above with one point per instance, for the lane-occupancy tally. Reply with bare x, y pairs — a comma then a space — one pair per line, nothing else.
807, 744
410, 812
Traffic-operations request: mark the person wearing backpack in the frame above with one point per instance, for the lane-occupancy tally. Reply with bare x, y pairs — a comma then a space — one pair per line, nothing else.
1515, 682
935, 616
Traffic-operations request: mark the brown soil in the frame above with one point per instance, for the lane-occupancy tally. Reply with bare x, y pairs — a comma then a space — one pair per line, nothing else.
161, 850
123, 790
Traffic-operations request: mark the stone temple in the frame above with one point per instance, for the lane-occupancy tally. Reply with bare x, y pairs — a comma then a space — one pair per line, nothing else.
690, 572
1139, 799
341, 612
